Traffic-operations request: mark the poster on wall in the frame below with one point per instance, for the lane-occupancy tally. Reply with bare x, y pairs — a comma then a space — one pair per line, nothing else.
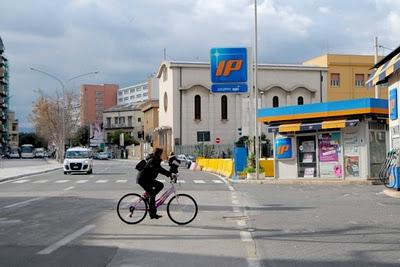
329, 151
309, 172
352, 166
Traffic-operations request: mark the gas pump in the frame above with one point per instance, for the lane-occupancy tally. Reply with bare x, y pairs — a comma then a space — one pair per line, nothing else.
390, 170
389, 173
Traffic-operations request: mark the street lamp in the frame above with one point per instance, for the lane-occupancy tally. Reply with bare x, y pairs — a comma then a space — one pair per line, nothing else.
63, 94
256, 141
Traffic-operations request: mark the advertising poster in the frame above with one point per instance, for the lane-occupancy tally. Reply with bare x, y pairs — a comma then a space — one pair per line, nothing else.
96, 134
329, 155
393, 104
352, 166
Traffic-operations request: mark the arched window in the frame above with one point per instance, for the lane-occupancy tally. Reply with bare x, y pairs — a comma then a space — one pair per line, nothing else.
300, 100
275, 102
224, 107
197, 107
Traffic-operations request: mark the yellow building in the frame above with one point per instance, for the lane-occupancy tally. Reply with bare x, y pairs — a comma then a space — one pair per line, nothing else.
347, 76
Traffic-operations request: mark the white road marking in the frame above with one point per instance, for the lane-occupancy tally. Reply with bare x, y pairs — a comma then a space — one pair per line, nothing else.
199, 182
245, 236
181, 181
241, 223
231, 188
69, 188
23, 203
66, 239
121, 181
82, 181
101, 181
20, 181
40, 181
61, 181
235, 202
217, 181
5, 221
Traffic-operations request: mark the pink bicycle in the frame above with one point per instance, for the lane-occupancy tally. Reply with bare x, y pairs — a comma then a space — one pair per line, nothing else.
181, 208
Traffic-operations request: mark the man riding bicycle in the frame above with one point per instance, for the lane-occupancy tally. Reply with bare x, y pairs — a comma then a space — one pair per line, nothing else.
147, 179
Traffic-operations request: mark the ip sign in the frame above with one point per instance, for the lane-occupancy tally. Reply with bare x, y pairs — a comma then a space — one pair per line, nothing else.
217, 140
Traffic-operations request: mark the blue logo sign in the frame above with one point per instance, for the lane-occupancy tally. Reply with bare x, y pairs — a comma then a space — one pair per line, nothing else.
283, 148
229, 65
393, 104
229, 88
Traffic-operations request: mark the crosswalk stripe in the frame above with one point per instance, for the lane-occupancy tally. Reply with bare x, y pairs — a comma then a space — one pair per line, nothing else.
217, 181
61, 181
199, 182
40, 181
101, 181
181, 181
82, 181
20, 181
121, 181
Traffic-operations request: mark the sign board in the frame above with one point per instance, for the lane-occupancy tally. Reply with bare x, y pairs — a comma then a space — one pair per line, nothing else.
283, 148
217, 140
393, 104
229, 70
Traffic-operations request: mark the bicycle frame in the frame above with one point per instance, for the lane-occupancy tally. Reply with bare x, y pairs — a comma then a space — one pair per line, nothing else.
160, 201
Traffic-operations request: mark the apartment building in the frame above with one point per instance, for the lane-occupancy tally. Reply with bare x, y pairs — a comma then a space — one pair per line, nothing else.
4, 98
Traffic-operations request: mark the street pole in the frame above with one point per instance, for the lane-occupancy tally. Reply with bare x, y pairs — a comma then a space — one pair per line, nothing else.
256, 141
63, 103
376, 61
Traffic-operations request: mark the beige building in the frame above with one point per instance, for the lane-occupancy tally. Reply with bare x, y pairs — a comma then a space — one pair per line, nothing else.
150, 115
347, 75
189, 114
128, 118
13, 130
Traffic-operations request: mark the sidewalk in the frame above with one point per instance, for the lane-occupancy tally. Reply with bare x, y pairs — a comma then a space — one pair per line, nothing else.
17, 172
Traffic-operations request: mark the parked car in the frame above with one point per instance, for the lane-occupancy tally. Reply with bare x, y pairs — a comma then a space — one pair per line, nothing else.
78, 159
14, 154
186, 160
102, 155
39, 152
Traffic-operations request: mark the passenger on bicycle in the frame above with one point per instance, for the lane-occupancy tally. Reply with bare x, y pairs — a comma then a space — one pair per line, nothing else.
173, 163
147, 179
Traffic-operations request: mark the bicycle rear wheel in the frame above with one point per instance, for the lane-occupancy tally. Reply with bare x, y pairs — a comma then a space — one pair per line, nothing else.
182, 209
132, 208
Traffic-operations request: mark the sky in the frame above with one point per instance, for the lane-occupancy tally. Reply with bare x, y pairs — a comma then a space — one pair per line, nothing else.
124, 39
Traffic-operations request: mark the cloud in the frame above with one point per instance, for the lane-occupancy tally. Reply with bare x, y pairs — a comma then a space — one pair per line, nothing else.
124, 40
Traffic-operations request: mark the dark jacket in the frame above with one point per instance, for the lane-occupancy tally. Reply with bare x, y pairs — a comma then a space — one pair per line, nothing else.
172, 161
151, 170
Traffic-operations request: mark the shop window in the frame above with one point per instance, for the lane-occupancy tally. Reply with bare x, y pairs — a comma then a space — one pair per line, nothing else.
203, 136
197, 107
300, 100
224, 107
359, 80
335, 79
275, 102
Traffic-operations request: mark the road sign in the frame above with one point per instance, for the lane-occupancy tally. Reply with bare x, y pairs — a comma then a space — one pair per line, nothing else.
229, 88
217, 140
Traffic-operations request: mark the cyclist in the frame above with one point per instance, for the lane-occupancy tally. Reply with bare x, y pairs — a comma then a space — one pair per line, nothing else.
173, 163
147, 179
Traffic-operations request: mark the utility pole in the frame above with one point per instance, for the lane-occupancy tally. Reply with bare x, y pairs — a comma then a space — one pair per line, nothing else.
376, 61
256, 141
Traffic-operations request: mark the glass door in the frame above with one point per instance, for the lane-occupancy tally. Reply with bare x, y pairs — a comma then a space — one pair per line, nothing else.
307, 156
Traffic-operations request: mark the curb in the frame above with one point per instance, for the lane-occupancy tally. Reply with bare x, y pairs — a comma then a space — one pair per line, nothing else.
391, 193
28, 174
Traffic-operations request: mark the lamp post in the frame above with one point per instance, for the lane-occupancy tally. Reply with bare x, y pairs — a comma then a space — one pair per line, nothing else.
63, 96
256, 141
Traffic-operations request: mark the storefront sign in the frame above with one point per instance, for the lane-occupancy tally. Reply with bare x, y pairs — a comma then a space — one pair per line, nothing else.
393, 104
283, 148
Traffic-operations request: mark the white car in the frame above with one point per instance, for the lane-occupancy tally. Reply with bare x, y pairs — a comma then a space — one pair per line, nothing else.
78, 159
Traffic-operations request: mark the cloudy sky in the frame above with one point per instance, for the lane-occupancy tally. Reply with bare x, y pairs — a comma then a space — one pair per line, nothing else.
124, 39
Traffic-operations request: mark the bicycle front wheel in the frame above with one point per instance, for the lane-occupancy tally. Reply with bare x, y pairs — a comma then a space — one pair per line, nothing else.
132, 208
182, 209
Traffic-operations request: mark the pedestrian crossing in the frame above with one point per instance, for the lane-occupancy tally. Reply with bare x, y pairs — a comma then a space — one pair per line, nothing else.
105, 181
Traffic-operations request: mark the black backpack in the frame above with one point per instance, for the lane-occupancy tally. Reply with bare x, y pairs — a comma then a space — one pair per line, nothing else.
141, 165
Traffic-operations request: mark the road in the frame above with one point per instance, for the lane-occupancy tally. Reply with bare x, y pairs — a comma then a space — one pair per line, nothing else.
70, 220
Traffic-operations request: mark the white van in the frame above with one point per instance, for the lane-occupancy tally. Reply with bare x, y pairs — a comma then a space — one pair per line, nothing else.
78, 159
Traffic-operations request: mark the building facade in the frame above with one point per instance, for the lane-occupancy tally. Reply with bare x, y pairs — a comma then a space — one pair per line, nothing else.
94, 99
4, 99
150, 115
127, 118
189, 114
13, 130
138, 92
347, 76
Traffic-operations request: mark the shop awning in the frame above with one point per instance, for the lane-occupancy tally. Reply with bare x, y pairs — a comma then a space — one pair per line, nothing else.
381, 73
298, 127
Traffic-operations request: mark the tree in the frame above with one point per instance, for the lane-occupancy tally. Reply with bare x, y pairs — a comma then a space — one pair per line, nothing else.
53, 119
81, 136
114, 137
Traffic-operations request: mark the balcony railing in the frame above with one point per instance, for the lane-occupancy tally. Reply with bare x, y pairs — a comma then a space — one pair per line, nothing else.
118, 125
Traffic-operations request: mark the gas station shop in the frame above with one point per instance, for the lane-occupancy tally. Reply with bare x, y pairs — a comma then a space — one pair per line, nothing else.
333, 140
